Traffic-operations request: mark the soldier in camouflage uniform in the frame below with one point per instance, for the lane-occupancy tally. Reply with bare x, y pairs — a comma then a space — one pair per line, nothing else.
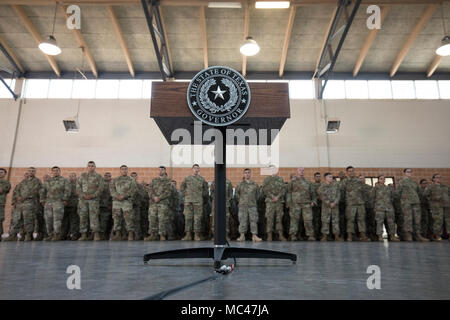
89, 188
330, 193
16, 216
26, 201
160, 190
194, 189
317, 223
437, 195
247, 194
302, 198
354, 191
54, 196
275, 192
371, 226
408, 191
123, 190
105, 207
5, 187
229, 196
137, 208
382, 198
71, 220
178, 207
342, 219
144, 207
426, 220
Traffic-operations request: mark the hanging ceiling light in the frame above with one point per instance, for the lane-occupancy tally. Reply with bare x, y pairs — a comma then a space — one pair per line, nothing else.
444, 49
49, 46
250, 47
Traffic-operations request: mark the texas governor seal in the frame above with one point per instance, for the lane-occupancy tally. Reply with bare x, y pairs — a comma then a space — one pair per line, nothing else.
218, 96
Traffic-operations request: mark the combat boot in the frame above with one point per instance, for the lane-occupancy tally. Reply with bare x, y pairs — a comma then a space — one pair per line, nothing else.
197, 236
187, 237
83, 237
338, 238
57, 237
293, 237
162, 237
421, 239
75, 237
324, 238
363, 237
281, 236
380, 238
311, 238
151, 237
269, 236
241, 237
255, 238
130, 236
97, 236
408, 237
393, 238
349, 237
171, 237
11, 237
437, 238
49, 237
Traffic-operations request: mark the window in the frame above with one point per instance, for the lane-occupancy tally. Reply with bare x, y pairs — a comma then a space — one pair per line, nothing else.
83, 89
356, 89
444, 89
380, 89
426, 89
107, 89
60, 88
130, 89
146, 89
4, 92
403, 89
37, 88
301, 89
335, 89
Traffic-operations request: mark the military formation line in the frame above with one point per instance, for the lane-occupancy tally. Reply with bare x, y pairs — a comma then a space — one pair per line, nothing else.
92, 207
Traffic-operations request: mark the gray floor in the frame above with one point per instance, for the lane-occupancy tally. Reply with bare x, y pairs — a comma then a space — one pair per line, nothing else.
329, 270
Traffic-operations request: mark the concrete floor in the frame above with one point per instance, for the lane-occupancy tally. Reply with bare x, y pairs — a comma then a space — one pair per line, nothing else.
114, 270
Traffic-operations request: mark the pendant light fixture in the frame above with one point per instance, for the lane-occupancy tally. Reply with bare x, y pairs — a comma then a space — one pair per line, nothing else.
250, 47
49, 46
444, 49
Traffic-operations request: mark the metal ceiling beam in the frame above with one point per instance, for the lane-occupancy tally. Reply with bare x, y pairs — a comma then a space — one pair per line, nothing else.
369, 40
15, 96
260, 75
336, 32
120, 36
434, 64
152, 15
201, 2
287, 39
11, 57
36, 35
427, 14
316, 68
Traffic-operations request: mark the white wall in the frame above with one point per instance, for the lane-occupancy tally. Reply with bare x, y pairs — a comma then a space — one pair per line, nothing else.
373, 133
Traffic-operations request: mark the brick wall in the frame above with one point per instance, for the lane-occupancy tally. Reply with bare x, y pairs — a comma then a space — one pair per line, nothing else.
234, 174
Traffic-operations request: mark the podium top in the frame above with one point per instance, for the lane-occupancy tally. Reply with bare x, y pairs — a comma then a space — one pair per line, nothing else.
269, 109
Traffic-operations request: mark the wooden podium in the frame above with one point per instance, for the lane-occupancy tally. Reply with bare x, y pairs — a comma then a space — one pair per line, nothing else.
269, 109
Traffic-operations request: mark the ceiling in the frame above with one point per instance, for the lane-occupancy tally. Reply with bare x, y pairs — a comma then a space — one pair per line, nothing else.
224, 35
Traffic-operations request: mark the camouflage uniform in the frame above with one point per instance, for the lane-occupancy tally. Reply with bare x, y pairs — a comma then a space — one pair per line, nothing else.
144, 206
123, 209
408, 191
371, 226
158, 213
317, 223
330, 193
342, 209
382, 198
194, 189
247, 195
89, 184
426, 220
71, 221
55, 192
301, 195
437, 195
105, 210
5, 187
273, 186
355, 204
137, 211
29, 189
229, 196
